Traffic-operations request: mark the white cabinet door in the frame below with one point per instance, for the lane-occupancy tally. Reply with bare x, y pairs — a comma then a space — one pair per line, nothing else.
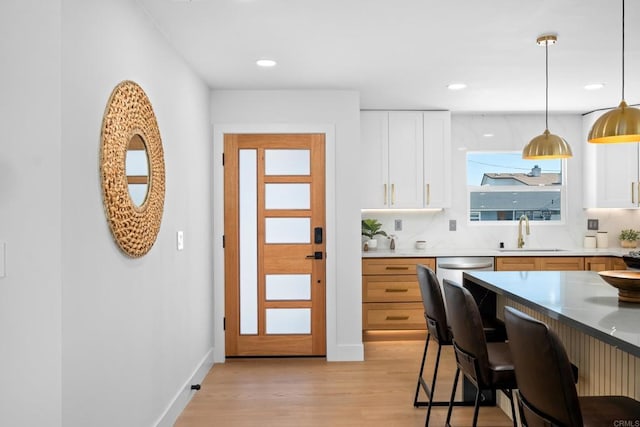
437, 159
610, 172
374, 158
405, 160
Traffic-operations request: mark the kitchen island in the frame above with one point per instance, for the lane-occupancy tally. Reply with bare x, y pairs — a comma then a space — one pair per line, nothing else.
601, 335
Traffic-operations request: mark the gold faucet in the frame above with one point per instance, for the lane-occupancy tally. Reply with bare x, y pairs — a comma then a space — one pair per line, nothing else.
520, 236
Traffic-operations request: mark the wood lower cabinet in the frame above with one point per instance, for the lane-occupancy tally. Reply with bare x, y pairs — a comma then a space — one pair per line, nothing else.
600, 263
556, 263
392, 304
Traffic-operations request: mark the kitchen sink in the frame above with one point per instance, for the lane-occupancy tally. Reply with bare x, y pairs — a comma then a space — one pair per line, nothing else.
531, 250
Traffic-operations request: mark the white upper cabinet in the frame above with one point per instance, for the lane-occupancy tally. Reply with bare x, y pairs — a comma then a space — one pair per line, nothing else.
406, 159
437, 159
611, 172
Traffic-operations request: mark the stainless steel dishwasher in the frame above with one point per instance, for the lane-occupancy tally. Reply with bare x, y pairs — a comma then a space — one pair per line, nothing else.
451, 268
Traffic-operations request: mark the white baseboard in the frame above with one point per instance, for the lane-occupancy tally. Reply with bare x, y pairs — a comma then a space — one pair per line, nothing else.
184, 395
346, 353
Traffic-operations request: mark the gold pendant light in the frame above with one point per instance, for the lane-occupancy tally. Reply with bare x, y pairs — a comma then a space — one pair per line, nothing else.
621, 124
547, 145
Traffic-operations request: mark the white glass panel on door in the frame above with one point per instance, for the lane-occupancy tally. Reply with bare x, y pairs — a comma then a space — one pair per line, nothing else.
288, 287
248, 228
287, 196
288, 321
288, 230
287, 162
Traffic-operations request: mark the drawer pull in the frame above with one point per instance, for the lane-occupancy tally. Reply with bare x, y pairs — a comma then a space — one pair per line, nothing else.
393, 267
397, 318
396, 290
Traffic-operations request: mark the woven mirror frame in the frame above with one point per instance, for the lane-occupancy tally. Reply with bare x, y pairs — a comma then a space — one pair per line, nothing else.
129, 114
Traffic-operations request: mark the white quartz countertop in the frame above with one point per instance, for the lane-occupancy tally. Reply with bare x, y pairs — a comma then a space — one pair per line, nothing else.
457, 252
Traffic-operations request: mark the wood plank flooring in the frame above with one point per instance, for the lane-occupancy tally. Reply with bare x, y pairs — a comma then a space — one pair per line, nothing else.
313, 392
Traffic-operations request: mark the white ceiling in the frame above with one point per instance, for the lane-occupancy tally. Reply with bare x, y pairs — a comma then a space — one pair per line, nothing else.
401, 54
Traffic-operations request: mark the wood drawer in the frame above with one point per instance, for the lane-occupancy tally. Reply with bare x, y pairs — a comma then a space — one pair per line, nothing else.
393, 316
395, 265
383, 288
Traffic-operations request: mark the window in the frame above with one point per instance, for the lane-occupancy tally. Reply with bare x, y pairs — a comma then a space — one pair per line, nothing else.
502, 187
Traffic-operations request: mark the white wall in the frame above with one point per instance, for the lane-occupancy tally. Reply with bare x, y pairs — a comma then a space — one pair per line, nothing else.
336, 112
30, 297
511, 132
134, 330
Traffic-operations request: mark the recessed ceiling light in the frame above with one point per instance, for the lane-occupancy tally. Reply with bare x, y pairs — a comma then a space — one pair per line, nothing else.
266, 63
456, 86
594, 86
487, 135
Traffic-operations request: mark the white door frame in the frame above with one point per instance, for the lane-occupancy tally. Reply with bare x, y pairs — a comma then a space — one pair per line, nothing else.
219, 130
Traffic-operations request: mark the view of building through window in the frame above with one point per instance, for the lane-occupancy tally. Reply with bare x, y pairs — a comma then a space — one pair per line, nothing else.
502, 187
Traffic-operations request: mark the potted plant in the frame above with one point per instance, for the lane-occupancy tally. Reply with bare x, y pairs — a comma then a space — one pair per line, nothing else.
370, 229
628, 238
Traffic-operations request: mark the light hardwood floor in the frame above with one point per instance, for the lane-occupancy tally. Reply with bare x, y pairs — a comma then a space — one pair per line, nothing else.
313, 392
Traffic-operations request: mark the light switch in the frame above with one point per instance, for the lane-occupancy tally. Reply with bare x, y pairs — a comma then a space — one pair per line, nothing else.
180, 240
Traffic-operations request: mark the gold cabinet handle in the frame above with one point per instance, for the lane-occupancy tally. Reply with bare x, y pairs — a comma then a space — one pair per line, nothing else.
396, 290
428, 194
638, 189
633, 195
397, 317
396, 267
385, 194
393, 194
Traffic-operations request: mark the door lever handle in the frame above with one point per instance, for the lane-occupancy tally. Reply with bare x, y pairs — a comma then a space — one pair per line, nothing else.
315, 255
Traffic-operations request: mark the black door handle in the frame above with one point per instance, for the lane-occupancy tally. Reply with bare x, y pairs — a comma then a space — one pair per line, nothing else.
316, 255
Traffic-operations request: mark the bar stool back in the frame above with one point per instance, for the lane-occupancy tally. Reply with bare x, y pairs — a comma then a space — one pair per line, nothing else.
487, 366
547, 394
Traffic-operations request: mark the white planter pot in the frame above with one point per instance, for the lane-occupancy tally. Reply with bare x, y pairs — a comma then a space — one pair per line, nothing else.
373, 243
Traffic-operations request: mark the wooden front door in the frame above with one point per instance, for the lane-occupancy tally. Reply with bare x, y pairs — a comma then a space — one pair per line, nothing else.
274, 244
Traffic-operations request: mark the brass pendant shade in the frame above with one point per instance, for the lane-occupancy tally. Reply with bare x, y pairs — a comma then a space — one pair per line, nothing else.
615, 126
621, 124
547, 145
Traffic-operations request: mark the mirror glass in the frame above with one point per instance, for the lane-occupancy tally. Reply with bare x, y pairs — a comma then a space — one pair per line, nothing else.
137, 169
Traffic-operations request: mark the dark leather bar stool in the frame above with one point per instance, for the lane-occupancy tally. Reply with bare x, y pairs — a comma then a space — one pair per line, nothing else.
488, 366
438, 329
547, 394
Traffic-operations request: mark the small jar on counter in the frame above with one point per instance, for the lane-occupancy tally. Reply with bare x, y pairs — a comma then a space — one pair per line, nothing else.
602, 239
590, 242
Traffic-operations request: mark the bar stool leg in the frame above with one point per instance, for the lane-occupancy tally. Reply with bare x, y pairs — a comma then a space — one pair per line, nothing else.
453, 394
433, 384
420, 379
476, 408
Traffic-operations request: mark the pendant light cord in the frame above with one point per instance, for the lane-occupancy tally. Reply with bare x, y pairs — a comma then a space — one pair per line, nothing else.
623, 50
546, 95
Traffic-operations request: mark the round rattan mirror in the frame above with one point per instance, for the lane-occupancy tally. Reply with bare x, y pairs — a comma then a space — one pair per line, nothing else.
128, 123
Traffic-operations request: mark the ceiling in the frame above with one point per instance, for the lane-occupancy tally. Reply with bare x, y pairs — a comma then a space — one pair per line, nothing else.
402, 54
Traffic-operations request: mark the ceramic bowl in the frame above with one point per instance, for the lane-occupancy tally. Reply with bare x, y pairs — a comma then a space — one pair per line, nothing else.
626, 281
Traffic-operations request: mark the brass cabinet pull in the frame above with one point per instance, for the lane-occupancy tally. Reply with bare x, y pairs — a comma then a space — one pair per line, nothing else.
428, 194
385, 194
393, 194
397, 318
638, 188
633, 195
396, 267
396, 290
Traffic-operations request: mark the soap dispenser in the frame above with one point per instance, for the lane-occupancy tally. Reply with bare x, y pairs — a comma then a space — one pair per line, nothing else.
392, 245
